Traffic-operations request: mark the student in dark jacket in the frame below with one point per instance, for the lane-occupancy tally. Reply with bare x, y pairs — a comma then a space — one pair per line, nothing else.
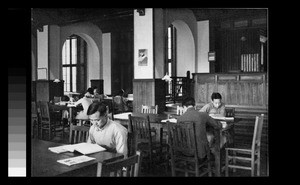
201, 119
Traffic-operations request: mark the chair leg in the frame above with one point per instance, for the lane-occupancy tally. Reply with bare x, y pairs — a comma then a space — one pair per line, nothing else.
234, 161
173, 167
258, 164
209, 169
252, 167
226, 164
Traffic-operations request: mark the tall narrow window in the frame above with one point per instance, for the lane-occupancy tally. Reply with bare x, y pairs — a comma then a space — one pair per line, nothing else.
171, 59
74, 64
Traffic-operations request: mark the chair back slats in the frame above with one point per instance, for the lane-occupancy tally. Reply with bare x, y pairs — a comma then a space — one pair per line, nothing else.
33, 109
229, 112
146, 109
78, 134
259, 120
141, 126
44, 111
179, 110
128, 167
182, 138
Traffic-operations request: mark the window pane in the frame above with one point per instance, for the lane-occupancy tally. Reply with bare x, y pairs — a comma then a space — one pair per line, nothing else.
74, 51
64, 54
64, 70
170, 69
67, 51
74, 73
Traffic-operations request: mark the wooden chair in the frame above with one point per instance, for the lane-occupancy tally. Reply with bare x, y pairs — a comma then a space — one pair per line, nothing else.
153, 151
184, 153
179, 110
128, 167
149, 109
229, 112
251, 156
78, 134
49, 123
34, 120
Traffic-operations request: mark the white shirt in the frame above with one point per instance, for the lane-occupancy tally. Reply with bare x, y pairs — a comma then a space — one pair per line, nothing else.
113, 135
85, 102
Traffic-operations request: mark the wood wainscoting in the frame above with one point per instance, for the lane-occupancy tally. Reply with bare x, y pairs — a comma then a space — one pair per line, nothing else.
149, 92
246, 92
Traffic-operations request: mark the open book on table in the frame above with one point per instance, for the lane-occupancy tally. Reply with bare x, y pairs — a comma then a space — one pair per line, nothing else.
172, 120
219, 117
84, 148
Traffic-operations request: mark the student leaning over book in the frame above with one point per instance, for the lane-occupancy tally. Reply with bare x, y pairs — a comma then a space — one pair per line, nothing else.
104, 131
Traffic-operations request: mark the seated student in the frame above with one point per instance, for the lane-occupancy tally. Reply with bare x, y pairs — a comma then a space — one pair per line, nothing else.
121, 102
201, 120
215, 106
89, 93
105, 132
85, 101
97, 95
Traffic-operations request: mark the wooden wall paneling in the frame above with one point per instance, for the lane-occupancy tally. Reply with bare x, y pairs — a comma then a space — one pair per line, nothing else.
143, 93
42, 90
222, 89
160, 95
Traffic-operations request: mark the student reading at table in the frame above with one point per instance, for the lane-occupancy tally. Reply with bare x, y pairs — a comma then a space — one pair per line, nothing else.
216, 106
201, 120
105, 132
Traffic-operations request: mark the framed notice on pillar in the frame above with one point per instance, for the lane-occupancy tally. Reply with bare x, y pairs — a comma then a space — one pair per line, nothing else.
42, 74
143, 57
212, 56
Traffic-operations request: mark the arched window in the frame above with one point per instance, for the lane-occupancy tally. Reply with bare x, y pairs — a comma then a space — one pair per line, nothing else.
74, 57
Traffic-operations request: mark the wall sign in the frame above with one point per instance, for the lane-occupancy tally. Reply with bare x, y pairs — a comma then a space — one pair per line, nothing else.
143, 57
211, 56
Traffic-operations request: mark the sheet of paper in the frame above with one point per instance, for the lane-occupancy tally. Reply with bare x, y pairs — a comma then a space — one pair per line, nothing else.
217, 117
75, 160
172, 120
61, 149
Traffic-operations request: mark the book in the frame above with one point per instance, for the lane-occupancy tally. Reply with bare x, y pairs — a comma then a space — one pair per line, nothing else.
84, 148
75, 160
172, 120
223, 118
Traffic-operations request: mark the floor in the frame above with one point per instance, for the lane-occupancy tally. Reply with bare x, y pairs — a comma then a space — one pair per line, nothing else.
161, 172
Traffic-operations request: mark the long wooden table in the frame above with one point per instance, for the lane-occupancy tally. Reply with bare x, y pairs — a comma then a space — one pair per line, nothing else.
44, 162
156, 121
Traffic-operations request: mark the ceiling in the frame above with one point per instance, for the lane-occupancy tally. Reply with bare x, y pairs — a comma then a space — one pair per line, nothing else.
61, 16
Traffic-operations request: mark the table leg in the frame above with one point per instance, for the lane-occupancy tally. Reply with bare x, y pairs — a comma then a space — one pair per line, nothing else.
217, 153
71, 118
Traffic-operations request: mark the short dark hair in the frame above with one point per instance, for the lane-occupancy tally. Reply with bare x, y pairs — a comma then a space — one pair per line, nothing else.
216, 95
97, 106
90, 90
188, 101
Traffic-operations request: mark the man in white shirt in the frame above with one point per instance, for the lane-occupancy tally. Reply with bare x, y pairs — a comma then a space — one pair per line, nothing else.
105, 132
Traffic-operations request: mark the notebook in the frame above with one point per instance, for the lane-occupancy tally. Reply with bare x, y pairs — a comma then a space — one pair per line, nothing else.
75, 160
84, 148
